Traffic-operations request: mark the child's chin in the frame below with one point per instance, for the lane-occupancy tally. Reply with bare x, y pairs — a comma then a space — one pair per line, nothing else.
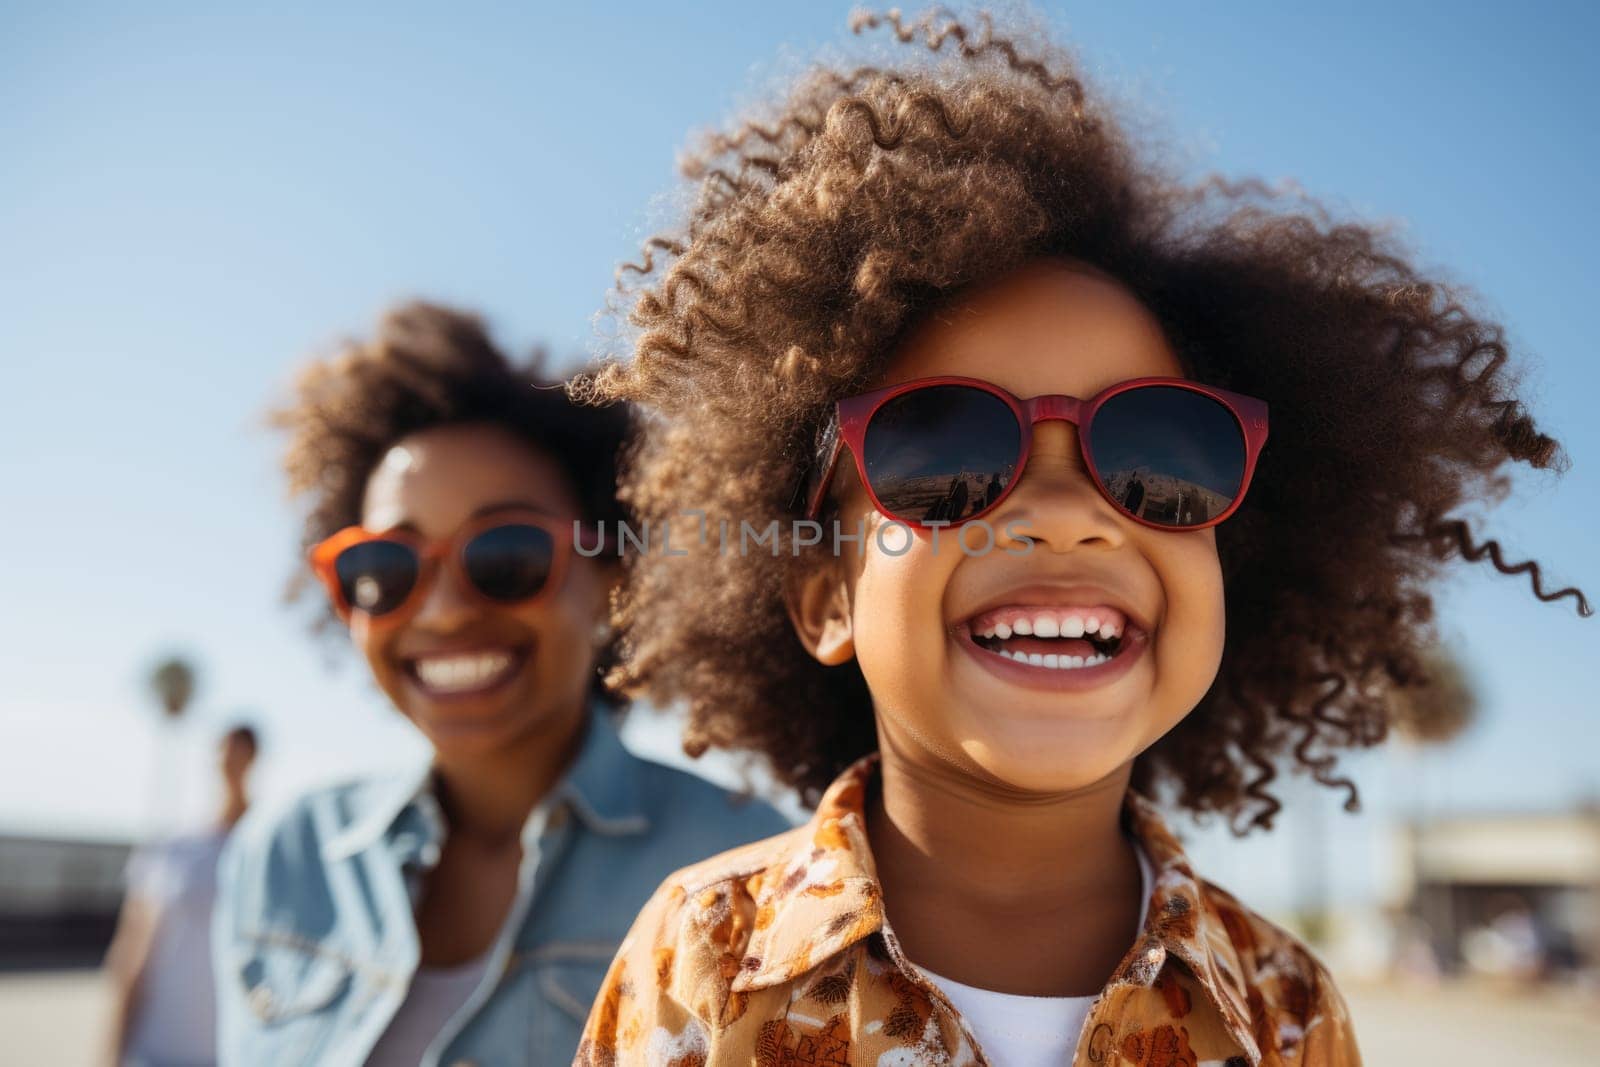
1052, 761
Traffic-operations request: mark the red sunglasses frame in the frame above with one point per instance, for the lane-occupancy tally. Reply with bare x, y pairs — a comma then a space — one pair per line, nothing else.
854, 414
431, 554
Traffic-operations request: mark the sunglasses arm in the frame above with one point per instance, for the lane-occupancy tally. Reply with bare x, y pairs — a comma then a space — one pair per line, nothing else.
814, 505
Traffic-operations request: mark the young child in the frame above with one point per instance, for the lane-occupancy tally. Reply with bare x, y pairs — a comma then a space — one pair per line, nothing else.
1021, 380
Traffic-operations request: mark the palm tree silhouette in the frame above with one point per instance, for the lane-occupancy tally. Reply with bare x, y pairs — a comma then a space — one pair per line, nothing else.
172, 683
1432, 715
1442, 709
172, 680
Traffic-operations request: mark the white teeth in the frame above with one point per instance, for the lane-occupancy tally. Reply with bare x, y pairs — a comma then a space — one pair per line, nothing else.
1055, 662
1053, 626
460, 673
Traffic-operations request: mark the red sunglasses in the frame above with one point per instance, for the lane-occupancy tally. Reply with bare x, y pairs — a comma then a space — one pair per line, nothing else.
1170, 453
508, 557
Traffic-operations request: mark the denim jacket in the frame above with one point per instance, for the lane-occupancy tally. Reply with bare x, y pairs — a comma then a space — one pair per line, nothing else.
315, 941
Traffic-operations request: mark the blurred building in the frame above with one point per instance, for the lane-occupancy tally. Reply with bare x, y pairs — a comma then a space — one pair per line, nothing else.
58, 900
1538, 873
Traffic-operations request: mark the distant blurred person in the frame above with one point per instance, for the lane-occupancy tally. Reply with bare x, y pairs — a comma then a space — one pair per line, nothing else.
1510, 946
465, 911
1414, 958
163, 1011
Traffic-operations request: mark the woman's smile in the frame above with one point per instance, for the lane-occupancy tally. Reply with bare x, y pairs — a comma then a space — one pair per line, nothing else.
466, 672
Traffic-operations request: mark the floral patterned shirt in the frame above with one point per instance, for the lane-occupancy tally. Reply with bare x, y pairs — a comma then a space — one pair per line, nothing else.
778, 954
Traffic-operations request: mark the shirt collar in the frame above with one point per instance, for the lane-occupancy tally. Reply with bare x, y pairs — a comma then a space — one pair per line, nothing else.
830, 867
832, 851
601, 788
1185, 923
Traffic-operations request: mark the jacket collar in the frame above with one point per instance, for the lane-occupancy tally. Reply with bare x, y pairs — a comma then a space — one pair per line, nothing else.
601, 789
602, 785
832, 851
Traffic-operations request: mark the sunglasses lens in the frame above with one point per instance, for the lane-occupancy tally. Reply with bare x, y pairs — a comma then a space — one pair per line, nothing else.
1168, 455
943, 453
376, 576
511, 562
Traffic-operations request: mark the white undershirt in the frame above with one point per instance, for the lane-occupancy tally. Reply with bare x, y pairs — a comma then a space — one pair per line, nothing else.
1021, 1031
436, 994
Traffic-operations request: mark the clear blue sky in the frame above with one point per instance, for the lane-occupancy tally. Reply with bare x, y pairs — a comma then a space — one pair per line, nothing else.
192, 199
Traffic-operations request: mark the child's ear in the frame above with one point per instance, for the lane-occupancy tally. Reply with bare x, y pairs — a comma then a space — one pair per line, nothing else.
819, 607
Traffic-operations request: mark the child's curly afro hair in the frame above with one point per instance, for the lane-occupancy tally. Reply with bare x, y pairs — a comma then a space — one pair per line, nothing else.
824, 227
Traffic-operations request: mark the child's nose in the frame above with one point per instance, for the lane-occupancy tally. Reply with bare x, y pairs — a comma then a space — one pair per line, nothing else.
1057, 501
1055, 443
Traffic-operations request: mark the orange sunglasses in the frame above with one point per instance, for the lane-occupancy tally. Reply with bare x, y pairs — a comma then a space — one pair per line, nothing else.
509, 557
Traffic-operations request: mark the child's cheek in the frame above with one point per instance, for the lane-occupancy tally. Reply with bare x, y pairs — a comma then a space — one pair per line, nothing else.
897, 616
1191, 636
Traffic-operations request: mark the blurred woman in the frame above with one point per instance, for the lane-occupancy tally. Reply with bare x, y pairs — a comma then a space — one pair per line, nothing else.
159, 962
466, 911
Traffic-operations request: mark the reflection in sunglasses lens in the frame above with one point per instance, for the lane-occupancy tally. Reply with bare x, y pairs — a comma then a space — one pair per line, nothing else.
1168, 455
376, 576
941, 454
510, 562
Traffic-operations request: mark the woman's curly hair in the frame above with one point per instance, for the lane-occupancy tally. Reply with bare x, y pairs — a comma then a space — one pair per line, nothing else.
825, 226
425, 366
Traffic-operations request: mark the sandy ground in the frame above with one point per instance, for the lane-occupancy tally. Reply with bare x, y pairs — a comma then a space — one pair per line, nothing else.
1475, 1026
56, 1018
51, 1017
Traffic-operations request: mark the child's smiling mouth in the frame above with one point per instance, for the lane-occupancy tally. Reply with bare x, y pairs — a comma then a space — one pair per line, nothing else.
1057, 638
1055, 645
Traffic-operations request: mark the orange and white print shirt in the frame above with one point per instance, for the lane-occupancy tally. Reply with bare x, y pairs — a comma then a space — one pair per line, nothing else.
778, 954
